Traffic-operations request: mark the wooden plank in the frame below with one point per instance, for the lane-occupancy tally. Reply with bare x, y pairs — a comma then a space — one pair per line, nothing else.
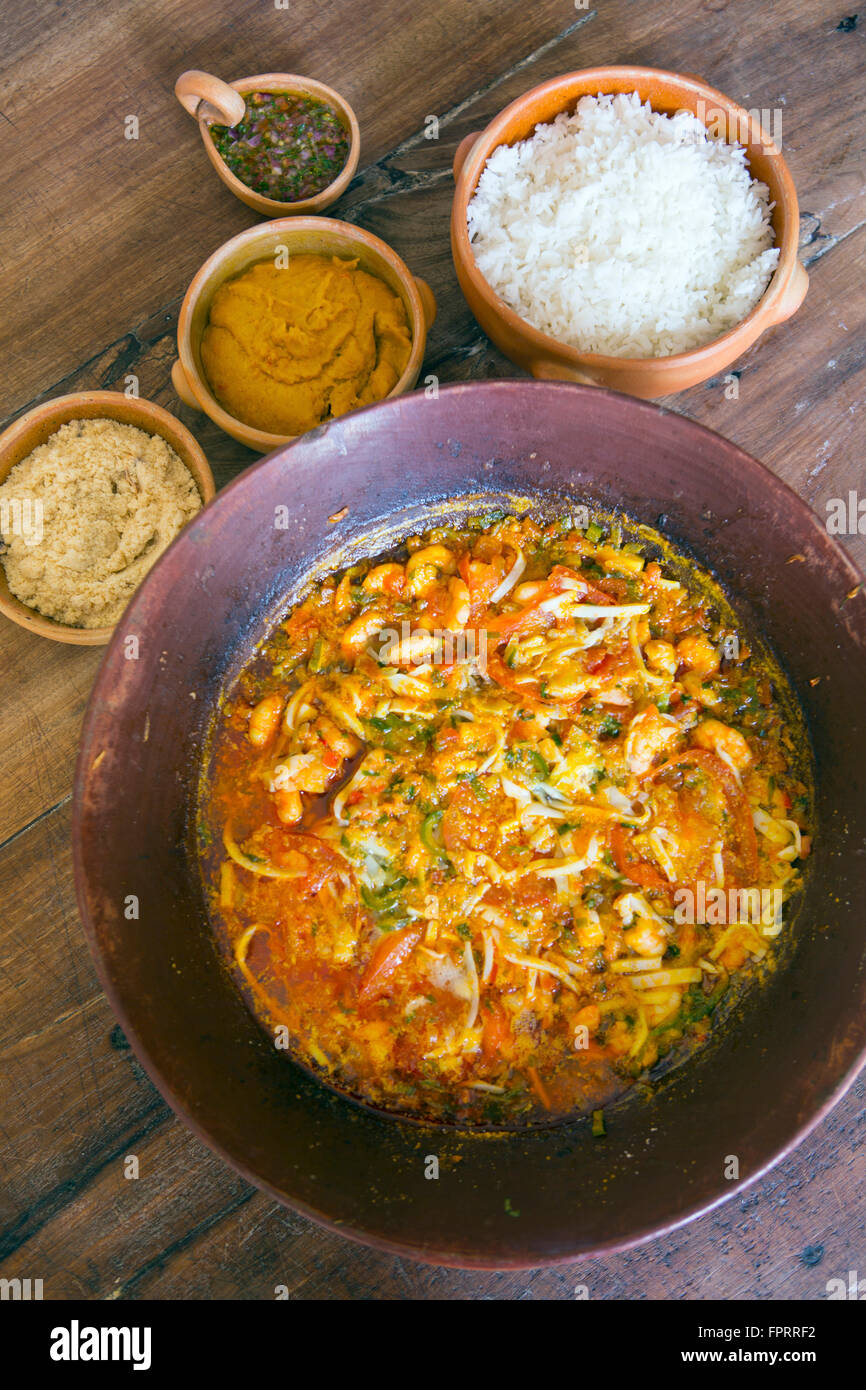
46, 687
71, 1092
801, 392
133, 1225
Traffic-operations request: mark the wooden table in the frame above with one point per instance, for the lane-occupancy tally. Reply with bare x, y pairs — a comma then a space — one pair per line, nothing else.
101, 235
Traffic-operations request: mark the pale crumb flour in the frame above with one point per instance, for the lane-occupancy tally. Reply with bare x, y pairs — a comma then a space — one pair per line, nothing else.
112, 499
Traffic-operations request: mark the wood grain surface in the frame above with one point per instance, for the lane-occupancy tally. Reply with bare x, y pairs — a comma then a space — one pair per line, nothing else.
99, 236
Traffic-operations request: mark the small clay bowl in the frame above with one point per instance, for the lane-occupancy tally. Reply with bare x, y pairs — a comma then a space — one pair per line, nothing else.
323, 236
34, 428
544, 356
214, 102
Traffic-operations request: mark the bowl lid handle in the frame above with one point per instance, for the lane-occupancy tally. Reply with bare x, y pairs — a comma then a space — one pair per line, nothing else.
202, 94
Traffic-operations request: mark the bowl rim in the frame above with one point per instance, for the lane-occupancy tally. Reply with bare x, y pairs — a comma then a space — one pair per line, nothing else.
262, 231
62, 409
735, 339
429, 1254
289, 82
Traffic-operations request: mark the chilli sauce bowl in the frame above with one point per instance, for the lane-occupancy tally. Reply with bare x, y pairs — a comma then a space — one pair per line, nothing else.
386, 471
546, 357
32, 429
214, 102
317, 235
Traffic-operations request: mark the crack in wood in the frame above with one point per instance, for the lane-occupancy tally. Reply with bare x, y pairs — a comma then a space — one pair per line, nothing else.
407, 180
157, 1262
453, 112
33, 1219
16, 834
825, 241
403, 181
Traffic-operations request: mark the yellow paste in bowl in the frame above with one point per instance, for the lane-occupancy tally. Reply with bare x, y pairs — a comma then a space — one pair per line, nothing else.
286, 348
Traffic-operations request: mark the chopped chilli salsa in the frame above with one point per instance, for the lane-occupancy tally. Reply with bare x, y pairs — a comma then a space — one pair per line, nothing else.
475, 816
287, 146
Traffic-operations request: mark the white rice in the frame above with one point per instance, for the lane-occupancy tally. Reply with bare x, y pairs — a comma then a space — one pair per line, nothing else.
624, 231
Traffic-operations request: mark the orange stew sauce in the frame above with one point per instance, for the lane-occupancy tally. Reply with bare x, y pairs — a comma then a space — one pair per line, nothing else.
490, 825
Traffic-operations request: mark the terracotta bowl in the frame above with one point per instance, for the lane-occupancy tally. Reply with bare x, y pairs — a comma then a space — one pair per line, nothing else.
214, 102
323, 236
34, 428
545, 357
796, 1045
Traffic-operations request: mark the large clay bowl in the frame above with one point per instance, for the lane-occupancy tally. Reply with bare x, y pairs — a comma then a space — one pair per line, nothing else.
797, 1043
